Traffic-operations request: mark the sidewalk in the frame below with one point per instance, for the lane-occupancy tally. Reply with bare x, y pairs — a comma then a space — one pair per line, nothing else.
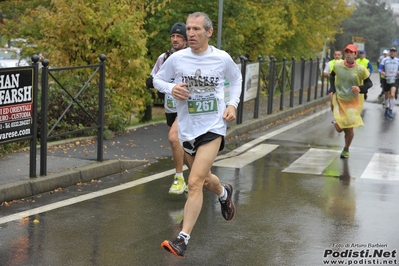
72, 162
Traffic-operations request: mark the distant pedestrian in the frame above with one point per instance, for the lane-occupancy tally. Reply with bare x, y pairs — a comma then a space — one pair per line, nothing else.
389, 68
195, 77
362, 60
382, 57
178, 39
329, 66
349, 81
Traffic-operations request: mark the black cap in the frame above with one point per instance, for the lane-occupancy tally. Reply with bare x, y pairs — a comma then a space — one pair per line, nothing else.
392, 49
179, 28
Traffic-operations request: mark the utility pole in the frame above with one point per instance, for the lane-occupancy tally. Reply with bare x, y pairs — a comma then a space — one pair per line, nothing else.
220, 19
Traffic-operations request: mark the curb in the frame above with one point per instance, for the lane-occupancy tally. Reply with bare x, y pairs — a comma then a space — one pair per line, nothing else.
23, 189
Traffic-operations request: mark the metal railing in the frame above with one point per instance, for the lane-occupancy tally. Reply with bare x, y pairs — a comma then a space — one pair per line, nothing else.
98, 121
286, 84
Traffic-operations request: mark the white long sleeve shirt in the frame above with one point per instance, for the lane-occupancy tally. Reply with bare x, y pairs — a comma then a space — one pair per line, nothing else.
169, 101
205, 75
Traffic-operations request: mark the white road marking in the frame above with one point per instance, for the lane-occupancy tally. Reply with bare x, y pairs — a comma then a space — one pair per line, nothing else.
247, 157
60, 204
82, 198
382, 166
314, 161
269, 135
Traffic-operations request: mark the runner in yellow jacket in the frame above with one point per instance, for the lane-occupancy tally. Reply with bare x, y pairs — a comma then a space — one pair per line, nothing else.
349, 81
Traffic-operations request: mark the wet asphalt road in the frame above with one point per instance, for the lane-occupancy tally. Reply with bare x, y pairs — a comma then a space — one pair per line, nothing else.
345, 212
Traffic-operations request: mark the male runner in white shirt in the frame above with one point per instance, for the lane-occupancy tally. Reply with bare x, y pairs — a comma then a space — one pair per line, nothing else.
198, 75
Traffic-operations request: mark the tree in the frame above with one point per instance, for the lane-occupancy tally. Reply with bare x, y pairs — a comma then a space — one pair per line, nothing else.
259, 33
310, 24
14, 25
373, 21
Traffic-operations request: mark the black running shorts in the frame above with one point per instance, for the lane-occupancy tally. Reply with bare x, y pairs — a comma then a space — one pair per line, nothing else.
190, 147
387, 87
170, 118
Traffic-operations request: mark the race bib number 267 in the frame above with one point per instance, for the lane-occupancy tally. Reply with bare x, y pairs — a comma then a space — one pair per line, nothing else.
202, 106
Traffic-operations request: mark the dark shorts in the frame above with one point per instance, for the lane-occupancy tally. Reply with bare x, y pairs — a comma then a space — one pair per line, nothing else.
190, 147
387, 87
170, 118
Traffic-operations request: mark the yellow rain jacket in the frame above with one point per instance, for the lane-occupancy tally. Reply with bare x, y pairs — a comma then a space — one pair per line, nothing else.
347, 106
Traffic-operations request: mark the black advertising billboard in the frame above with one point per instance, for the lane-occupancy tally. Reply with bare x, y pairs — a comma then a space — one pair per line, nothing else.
16, 103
